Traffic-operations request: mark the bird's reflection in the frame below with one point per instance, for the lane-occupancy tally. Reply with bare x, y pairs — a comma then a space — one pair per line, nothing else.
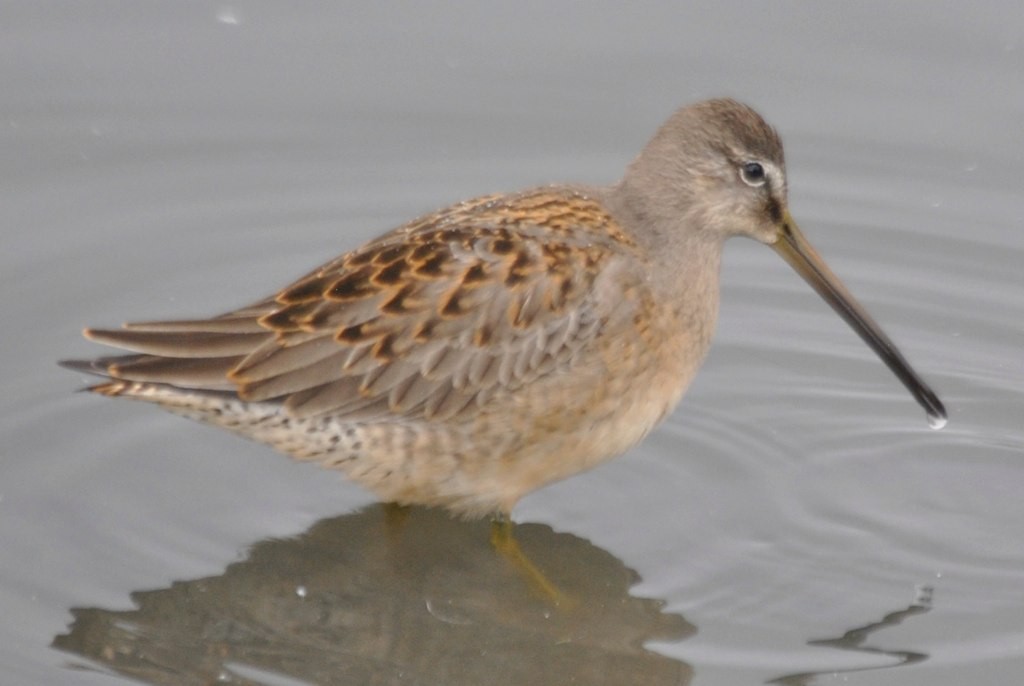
366, 599
854, 639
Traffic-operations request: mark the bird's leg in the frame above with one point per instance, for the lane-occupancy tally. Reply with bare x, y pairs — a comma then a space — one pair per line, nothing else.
503, 540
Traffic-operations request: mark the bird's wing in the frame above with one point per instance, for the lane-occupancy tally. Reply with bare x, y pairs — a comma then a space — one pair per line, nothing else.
430, 320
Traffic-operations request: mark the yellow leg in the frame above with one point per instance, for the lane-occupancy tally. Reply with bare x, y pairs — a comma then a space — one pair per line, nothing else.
504, 542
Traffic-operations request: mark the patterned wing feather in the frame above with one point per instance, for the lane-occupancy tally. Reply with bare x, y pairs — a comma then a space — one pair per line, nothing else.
428, 321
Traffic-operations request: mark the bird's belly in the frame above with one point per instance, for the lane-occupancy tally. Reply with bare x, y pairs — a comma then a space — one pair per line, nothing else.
562, 427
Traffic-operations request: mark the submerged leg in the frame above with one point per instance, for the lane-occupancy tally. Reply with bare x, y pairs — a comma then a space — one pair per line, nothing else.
503, 540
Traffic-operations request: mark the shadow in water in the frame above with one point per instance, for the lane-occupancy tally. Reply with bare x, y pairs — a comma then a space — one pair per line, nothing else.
371, 598
854, 640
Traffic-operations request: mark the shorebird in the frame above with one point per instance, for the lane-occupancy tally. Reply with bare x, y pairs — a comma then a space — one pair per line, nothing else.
499, 344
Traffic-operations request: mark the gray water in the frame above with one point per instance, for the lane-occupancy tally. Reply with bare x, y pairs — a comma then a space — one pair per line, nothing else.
795, 520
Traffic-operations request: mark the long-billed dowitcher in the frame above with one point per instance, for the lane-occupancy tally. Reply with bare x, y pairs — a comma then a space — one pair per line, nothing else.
494, 346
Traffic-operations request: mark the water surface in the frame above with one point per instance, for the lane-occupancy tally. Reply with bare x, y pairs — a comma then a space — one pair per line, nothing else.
795, 517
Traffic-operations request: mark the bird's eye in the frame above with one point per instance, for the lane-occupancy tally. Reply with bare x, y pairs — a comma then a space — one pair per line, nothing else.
753, 174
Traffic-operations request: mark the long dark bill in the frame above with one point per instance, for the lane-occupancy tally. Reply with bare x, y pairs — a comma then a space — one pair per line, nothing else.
802, 257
